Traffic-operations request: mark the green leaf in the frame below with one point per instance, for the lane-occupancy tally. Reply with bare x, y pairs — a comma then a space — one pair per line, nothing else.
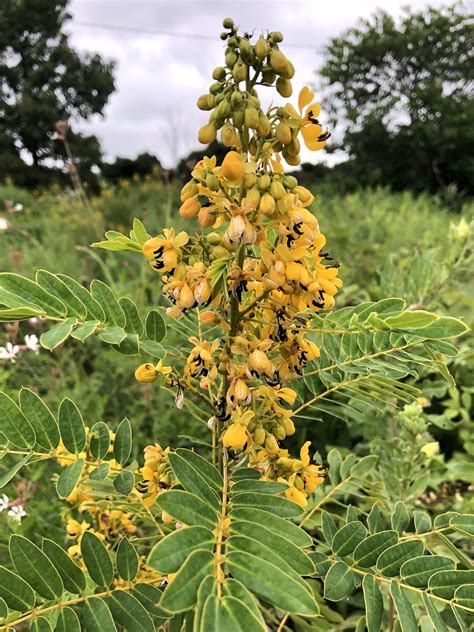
444, 327
460, 621
97, 616
18, 291
149, 596
97, 559
276, 525
139, 231
236, 616
417, 571
191, 479
69, 478
211, 474
152, 348
106, 298
84, 331
7, 476
55, 286
321, 562
233, 588
363, 467
57, 334
262, 487
99, 440
8, 315
100, 472
373, 601
339, 582
245, 473
68, 621
123, 442
411, 319
435, 617
347, 538
124, 482
112, 335
41, 419
72, 575
444, 583
171, 552
391, 560
262, 552
116, 246
367, 552
40, 624
463, 524
14, 425
271, 583
71, 427
464, 596
129, 345
329, 527
17, 594
94, 310
422, 521
285, 549
35, 568
129, 612
181, 594
400, 518
274, 504
133, 322
188, 508
126, 560
406, 616
155, 327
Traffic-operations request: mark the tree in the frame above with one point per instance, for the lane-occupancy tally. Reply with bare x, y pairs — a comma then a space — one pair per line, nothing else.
143, 165
402, 94
44, 80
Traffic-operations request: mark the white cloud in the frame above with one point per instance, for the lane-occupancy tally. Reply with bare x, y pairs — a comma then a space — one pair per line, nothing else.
158, 78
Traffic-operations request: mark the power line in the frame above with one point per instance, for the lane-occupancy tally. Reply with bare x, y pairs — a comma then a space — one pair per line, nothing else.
198, 36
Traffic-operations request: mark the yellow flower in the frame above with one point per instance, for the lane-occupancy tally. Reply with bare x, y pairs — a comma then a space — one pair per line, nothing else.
296, 496
235, 436
163, 252
147, 373
311, 130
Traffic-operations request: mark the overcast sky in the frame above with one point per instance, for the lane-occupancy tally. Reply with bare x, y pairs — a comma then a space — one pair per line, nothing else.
159, 77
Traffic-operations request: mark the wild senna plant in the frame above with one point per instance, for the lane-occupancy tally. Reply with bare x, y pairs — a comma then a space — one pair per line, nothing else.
243, 536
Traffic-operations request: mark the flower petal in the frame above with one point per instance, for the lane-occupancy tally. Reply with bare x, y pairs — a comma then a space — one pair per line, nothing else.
305, 97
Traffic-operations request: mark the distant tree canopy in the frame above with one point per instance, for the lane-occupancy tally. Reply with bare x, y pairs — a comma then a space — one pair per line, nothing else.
402, 95
44, 80
143, 165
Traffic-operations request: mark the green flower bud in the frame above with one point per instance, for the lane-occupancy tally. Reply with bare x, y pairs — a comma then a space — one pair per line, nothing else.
214, 239
254, 101
290, 182
236, 97
207, 134
212, 182
277, 190
218, 73
261, 48
263, 128
228, 23
203, 103
211, 101
278, 61
216, 87
230, 59
228, 135
283, 133
251, 117
246, 49
253, 197
276, 37
240, 71
289, 73
238, 116
284, 87
223, 109
249, 180
268, 76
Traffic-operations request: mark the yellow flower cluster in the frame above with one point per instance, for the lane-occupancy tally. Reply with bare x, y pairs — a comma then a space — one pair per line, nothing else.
256, 267
156, 474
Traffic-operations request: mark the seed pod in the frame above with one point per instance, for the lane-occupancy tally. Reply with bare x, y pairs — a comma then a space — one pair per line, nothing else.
283, 133
189, 208
251, 117
228, 135
261, 48
267, 204
189, 190
264, 182
239, 71
278, 61
268, 75
230, 59
290, 182
253, 197
212, 182
218, 73
249, 180
284, 87
203, 102
263, 128
207, 134
232, 167
216, 87
277, 190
